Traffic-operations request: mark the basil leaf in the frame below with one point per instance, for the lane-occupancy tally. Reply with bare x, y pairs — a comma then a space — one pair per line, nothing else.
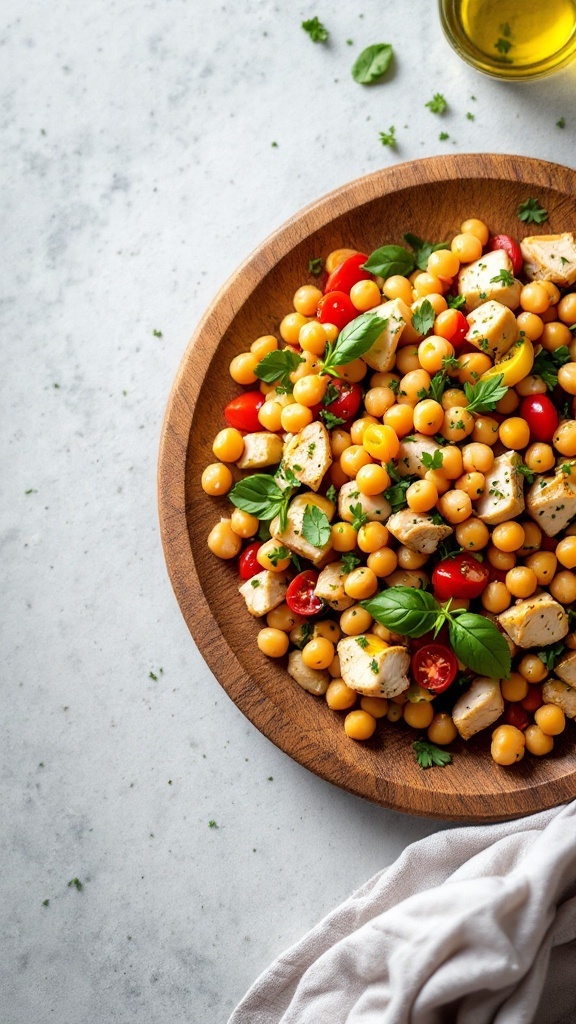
278, 366
405, 611
354, 340
259, 495
485, 394
422, 249
372, 63
390, 260
480, 645
423, 319
316, 526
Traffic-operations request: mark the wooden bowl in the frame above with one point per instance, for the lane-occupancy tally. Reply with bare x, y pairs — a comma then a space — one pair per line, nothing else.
429, 198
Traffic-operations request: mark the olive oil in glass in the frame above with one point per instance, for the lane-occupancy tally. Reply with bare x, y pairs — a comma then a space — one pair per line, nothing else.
514, 39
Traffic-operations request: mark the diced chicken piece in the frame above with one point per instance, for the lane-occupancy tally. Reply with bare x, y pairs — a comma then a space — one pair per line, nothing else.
551, 500
376, 508
308, 454
409, 459
417, 531
416, 579
382, 354
566, 668
483, 280
479, 707
371, 667
503, 496
264, 592
311, 679
260, 449
493, 329
550, 258
293, 537
330, 587
554, 691
535, 622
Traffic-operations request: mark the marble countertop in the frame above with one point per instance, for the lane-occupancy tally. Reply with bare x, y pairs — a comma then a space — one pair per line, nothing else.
148, 148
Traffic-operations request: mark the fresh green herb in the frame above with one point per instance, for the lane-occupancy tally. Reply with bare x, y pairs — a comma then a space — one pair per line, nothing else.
315, 266
331, 493
374, 666
550, 655
432, 461
438, 385
76, 883
566, 468
362, 642
443, 136
353, 341
212, 824
390, 260
277, 366
45, 903
422, 249
152, 675
349, 42
316, 526
396, 494
295, 561
389, 138
526, 472
470, 116
561, 122
278, 554
156, 333
31, 490
274, 145
424, 317
422, 393
485, 395
475, 640
437, 104
372, 63
503, 277
392, 471
285, 479
547, 364
394, 384
451, 363
330, 420
316, 30
456, 301
260, 496
427, 755
505, 29
531, 212
360, 517
350, 561
254, 583
503, 45
437, 518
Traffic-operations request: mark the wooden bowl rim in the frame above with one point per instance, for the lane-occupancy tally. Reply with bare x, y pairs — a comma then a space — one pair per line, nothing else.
174, 442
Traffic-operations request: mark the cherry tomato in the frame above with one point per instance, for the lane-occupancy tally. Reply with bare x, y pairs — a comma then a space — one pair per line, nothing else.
533, 699
347, 274
336, 308
541, 416
242, 411
461, 576
248, 566
300, 596
516, 715
461, 328
434, 667
346, 404
511, 247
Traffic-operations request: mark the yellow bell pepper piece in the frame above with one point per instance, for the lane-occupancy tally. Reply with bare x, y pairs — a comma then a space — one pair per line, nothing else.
515, 365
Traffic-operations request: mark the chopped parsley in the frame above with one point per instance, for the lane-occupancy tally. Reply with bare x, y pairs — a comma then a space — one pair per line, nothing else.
530, 212
428, 755
156, 333
424, 317
438, 104
315, 266
330, 420
456, 301
278, 555
374, 666
561, 122
362, 642
360, 517
443, 136
389, 138
316, 30
76, 884
503, 277
331, 493
350, 561
432, 461
550, 655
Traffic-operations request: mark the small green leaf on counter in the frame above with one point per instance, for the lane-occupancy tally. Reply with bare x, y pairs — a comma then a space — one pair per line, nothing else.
316, 30
530, 212
443, 136
45, 903
372, 63
76, 883
156, 333
437, 105
212, 824
561, 122
389, 138
428, 755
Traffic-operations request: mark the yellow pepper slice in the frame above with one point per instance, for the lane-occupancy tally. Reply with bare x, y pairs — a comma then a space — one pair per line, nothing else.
515, 365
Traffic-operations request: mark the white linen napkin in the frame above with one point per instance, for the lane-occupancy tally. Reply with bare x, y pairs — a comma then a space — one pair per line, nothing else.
472, 925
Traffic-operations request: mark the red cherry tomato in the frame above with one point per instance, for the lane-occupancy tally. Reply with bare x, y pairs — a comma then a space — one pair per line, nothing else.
346, 404
300, 596
248, 566
516, 715
461, 328
541, 417
336, 308
511, 247
533, 699
242, 411
347, 274
434, 667
461, 576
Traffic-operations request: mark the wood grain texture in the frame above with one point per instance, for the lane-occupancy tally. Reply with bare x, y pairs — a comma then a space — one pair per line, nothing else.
429, 198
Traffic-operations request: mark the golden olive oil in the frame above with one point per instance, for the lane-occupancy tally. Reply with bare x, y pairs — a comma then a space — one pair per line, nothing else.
512, 38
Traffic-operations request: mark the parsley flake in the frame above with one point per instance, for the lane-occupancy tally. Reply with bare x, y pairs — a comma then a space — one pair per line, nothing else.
315, 266
531, 212
389, 138
438, 104
428, 755
316, 30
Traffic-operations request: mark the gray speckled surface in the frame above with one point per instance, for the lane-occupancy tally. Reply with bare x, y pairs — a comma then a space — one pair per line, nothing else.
138, 171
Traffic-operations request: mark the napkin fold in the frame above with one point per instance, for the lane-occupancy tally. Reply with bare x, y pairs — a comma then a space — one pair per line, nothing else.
472, 925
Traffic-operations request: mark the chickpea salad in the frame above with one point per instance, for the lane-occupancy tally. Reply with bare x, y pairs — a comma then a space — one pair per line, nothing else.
405, 525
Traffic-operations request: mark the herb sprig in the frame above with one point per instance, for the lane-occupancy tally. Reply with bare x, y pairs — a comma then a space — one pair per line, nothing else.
316, 30
485, 394
530, 212
353, 341
262, 497
428, 755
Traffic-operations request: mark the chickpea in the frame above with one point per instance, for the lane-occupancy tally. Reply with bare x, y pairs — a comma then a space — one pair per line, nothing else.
273, 642
244, 524
270, 415
533, 669
451, 467
442, 729
378, 400
336, 257
425, 284
453, 397
531, 385
337, 475
359, 725
458, 424
295, 417
284, 618
443, 263
365, 295
550, 719
398, 287
216, 479
358, 428
310, 390
306, 299
531, 325
290, 327
428, 417
532, 538
467, 247
361, 583
433, 351
400, 418
312, 338
222, 540
477, 457
331, 332
563, 587
372, 536
515, 688
503, 560
334, 667
340, 440
455, 506
339, 696
318, 653
354, 371
408, 559
496, 598
375, 706
472, 534
544, 565
514, 433
242, 368
411, 384
343, 536
382, 562
537, 742
356, 456
555, 335
440, 482
472, 484
534, 298
329, 629
381, 442
228, 445
521, 581
273, 556
508, 536
473, 226
485, 430
264, 345
566, 552
407, 359
539, 457
394, 713
564, 439
421, 496
372, 479
567, 374
418, 715
507, 745
355, 620
309, 364
567, 309
472, 366
508, 403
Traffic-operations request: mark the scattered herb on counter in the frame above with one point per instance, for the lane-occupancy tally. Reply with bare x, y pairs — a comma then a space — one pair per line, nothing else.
372, 63
389, 138
443, 136
76, 883
157, 334
212, 824
437, 105
316, 30
561, 122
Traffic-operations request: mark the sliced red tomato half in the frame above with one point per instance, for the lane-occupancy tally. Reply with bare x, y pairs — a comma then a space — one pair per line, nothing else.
248, 565
348, 274
242, 411
461, 576
510, 247
336, 308
434, 667
300, 596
